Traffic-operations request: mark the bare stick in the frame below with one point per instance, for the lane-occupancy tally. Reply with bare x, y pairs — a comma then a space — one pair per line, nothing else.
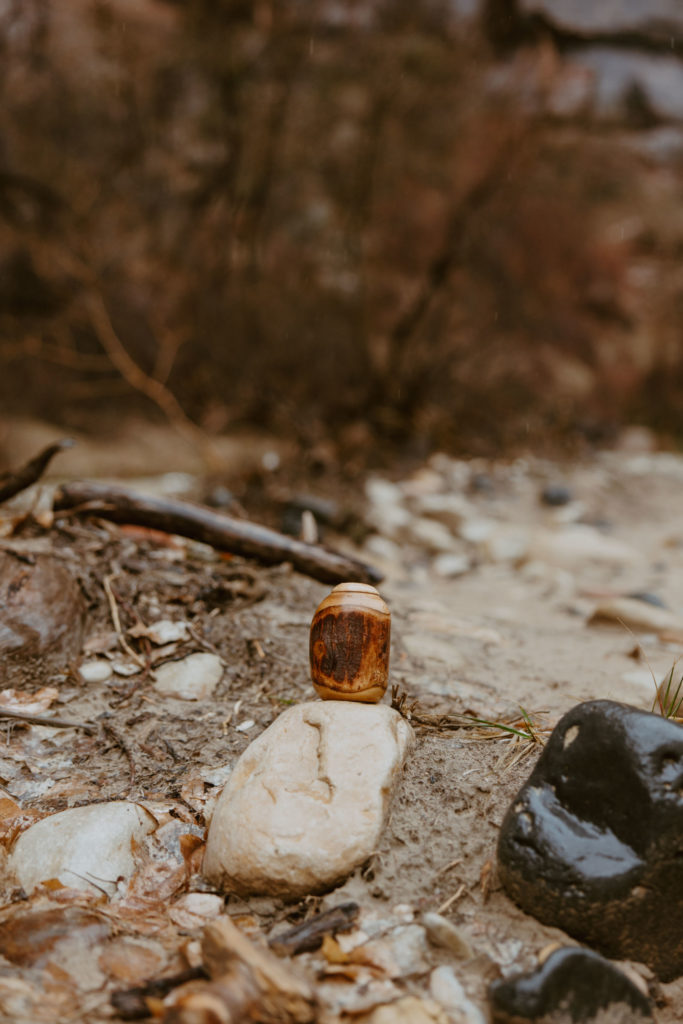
309, 935
13, 483
238, 536
54, 723
125, 746
116, 619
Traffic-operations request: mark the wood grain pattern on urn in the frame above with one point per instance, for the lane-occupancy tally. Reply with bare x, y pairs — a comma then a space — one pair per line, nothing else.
349, 645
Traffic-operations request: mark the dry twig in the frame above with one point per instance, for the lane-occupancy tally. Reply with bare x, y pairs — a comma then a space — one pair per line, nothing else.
309, 934
20, 479
54, 723
152, 387
238, 536
116, 620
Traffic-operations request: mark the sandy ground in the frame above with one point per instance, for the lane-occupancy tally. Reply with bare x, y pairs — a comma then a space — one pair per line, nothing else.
511, 632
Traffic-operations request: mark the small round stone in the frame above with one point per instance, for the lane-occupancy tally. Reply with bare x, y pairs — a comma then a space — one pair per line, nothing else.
95, 671
556, 495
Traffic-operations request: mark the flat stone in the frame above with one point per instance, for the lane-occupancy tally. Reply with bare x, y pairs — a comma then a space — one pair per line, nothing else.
431, 534
42, 618
573, 984
386, 511
450, 509
307, 800
451, 565
192, 678
84, 847
636, 614
95, 671
570, 546
592, 843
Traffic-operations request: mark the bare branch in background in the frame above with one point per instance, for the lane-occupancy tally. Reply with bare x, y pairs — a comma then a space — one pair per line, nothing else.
140, 381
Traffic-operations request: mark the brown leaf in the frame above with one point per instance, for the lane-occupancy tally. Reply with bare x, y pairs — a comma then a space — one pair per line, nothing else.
131, 961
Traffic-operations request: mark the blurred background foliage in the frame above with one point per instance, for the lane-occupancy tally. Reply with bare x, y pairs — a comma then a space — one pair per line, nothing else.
396, 225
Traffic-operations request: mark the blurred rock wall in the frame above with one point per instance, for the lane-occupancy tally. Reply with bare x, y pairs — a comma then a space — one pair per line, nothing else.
451, 223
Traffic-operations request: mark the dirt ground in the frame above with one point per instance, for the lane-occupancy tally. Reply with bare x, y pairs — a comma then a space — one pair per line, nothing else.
510, 633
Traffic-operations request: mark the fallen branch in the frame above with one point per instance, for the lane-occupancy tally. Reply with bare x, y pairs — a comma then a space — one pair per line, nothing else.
13, 483
54, 723
309, 935
223, 532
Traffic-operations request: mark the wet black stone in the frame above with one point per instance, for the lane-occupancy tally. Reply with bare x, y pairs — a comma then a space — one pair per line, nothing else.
482, 483
593, 842
572, 985
556, 495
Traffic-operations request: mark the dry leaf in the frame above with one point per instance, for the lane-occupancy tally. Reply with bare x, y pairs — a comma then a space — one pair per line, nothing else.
131, 961
28, 703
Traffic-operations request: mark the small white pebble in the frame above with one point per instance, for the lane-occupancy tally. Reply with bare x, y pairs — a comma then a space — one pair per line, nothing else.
125, 668
165, 631
244, 726
95, 671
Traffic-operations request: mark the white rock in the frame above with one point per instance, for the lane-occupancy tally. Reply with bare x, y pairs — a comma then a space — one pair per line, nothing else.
193, 678
442, 932
573, 545
476, 531
95, 671
450, 509
84, 847
382, 492
381, 547
425, 481
387, 512
445, 988
401, 953
450, 565
126, 668
307, 800
430, 534
165, 631
629, 611
506, 544
194, 909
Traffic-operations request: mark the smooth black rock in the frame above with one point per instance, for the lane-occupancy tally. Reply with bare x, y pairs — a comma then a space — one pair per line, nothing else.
593, 842
556, 495
573, 985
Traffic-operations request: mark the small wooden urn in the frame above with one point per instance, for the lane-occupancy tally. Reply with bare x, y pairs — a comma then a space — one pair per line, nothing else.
349, 645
